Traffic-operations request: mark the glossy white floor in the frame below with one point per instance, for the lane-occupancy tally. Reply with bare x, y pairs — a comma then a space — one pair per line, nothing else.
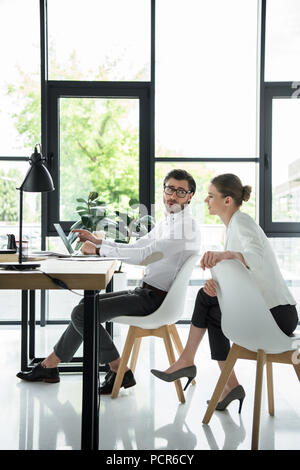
147, 416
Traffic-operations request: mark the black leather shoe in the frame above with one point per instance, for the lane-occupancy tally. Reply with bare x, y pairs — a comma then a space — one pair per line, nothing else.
108, 384
40, 374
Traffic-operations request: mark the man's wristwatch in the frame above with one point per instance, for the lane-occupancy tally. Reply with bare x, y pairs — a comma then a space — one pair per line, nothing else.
98, 250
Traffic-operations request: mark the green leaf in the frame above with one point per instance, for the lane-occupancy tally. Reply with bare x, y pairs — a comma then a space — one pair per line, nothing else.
133, 202
82, 200
93, 195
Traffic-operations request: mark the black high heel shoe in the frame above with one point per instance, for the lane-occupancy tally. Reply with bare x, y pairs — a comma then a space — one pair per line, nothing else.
238, 393
189, 372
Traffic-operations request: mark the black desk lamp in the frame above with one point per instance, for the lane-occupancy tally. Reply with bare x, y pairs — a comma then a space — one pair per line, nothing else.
37, 180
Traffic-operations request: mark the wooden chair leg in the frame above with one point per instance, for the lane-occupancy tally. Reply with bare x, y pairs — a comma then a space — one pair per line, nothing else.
131, 335
171, 357
270, 388
176, 338
261, 359
177, 341
297, 370
135, 353
229, 365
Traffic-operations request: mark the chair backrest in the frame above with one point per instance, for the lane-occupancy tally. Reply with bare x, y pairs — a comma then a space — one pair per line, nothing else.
172, 307
246, 320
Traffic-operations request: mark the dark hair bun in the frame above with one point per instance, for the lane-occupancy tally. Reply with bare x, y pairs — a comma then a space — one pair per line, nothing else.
246, 192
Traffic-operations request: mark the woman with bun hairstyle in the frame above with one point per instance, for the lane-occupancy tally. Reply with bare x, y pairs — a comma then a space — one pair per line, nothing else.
245, 241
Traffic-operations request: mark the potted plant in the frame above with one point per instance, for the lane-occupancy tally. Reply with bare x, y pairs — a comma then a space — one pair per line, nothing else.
120, 226
92, 212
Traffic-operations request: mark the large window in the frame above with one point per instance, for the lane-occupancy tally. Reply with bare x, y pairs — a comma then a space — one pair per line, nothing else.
285, 160
282, 41
206, 78
20, 114
99, 146
119, 92
279, 214
206, 103
20, 102
99, 40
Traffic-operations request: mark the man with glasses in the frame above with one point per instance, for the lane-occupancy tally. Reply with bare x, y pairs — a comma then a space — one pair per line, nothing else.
175, 238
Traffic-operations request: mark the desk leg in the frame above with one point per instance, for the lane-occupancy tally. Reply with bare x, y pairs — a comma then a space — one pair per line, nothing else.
90, 397
31, 324
109, 325
24, 331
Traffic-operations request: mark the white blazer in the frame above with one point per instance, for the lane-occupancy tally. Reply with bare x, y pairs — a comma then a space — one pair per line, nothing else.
245, 236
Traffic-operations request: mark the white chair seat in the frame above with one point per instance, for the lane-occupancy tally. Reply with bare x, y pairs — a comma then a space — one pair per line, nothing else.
249, 324
160, 323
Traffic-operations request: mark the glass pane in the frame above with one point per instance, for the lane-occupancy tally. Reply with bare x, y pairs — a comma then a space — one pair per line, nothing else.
282, 40
61, 303
20, 108
11, 176
285, 160
99, 151
206, 74
212, 229
10, 305
99, 39
287, 252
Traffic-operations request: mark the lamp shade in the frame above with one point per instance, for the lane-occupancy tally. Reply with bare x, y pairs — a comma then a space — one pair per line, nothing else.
38, 178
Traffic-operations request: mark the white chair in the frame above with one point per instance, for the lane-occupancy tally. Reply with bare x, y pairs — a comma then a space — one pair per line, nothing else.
249, 324
160, 323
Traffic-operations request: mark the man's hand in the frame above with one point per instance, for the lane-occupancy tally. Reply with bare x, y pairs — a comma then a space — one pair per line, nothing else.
211, 258
210, 288
85, 235
88, 248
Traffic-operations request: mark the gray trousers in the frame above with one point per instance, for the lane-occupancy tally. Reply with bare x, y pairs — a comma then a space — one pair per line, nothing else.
137, 302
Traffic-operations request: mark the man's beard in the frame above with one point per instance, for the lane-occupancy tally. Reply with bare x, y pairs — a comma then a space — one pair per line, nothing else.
174, 208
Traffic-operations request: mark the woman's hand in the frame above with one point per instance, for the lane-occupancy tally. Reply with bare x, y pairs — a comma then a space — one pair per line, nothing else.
88, 248
211, 258
210, 288
85, 235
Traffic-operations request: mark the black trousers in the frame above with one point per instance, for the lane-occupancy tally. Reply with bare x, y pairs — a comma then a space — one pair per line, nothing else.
207, 314
137, 302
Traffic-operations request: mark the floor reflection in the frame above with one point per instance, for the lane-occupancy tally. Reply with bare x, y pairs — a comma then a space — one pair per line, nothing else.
46, 422
234, 434
124, 424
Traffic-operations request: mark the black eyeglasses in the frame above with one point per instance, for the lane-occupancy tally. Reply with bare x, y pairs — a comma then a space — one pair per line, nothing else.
181, 193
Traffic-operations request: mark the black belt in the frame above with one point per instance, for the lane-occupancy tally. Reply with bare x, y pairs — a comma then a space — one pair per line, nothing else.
158, 291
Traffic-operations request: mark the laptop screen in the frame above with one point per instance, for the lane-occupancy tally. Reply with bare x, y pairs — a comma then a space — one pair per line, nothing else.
62, 235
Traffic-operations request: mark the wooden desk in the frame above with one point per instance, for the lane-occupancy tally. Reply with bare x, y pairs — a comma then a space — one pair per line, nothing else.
89, 276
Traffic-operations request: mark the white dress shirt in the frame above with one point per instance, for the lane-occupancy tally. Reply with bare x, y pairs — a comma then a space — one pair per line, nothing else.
177, 237
245, 236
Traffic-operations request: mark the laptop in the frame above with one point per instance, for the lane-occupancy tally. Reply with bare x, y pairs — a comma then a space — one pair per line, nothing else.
71, 252
67, 243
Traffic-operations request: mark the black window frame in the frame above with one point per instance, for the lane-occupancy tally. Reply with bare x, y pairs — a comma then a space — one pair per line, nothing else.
51, 90
274, 229
64, 89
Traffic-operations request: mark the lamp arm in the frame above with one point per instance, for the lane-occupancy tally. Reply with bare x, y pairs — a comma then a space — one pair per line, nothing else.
20, 225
